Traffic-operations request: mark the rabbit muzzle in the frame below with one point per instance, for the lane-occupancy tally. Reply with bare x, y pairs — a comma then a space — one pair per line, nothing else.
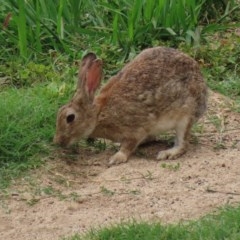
61, 141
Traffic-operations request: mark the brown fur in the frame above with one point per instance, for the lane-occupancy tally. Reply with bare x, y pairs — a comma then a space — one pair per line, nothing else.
161, 89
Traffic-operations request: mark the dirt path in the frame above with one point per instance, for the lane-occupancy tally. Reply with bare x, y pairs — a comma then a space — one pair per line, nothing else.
73, 193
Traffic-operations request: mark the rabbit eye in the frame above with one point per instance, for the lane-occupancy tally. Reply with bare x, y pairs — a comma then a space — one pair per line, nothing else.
70, 118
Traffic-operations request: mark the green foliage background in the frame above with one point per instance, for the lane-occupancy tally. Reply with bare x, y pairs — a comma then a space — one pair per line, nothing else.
37, 26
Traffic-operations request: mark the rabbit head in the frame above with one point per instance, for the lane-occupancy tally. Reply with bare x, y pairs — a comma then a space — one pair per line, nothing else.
77, 118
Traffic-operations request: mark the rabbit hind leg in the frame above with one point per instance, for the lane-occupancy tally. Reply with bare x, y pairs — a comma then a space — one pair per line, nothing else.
182, 128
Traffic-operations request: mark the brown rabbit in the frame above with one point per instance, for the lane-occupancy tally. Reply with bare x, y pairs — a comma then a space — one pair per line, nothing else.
161, 89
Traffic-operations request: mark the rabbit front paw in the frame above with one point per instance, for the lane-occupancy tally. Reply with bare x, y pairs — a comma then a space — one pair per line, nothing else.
117, 158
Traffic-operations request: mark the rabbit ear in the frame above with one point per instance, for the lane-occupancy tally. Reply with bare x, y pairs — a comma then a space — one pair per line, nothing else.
93, 76
85, 63
89, 75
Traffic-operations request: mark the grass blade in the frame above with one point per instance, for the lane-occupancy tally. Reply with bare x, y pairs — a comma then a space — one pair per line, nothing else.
60, 27
22, 29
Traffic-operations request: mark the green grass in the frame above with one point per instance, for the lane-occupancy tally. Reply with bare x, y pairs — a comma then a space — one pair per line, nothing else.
27, 126
25, 130
223, 226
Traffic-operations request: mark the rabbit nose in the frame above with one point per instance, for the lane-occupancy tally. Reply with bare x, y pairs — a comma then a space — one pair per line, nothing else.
58, 141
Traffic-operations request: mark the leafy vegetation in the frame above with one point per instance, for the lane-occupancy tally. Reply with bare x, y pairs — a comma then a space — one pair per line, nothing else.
35, 27
225, 225
219, 60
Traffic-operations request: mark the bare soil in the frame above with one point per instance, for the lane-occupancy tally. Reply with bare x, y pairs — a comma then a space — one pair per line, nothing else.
76, 191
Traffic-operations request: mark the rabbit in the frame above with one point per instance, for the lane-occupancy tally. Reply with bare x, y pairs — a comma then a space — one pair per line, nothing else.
161, 89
